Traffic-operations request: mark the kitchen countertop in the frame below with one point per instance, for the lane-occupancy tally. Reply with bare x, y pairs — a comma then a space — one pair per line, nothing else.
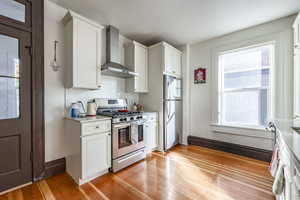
89, 119
290, 136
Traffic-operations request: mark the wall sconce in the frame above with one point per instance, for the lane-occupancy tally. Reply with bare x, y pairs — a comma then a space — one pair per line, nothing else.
55, 65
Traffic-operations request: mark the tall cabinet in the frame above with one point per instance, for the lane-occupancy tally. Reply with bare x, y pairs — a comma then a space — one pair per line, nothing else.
162, 59
83, 47
296, 27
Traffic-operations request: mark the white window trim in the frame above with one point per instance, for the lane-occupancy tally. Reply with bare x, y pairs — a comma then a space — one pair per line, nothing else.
258, 132
228, 128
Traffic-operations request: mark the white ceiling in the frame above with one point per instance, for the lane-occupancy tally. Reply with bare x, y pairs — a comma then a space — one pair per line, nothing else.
181, 21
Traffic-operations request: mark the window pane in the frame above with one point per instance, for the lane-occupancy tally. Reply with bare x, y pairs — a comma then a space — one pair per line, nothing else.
241, 107
13, 10
9, 98
257, 57
247, 79
246, 107
9, 56
247, 68
264, 107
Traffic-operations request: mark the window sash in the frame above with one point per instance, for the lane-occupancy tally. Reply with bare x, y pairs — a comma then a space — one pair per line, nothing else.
260, 119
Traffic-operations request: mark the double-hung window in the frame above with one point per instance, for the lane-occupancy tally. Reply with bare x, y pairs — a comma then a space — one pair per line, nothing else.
245, 85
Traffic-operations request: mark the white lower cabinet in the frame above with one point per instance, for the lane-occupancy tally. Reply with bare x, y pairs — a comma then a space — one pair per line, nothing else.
291, 175
96, 150
296, 83
151, 131
296, 185
88, 147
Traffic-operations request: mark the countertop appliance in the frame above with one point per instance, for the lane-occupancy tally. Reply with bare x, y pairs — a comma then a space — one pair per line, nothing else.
172, 115
91, 109
128, 139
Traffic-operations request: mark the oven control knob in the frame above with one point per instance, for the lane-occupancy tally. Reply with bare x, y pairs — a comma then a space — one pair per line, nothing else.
131, 118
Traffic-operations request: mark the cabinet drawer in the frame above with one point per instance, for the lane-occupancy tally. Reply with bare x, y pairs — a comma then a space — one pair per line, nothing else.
96, 127
150, 117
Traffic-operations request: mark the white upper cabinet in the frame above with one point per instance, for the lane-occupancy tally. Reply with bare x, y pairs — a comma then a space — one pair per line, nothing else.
297, 83
177, 55
172, 60
296, 27
136, 58
83, 38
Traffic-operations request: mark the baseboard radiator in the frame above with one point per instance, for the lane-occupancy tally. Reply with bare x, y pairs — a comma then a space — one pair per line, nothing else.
251, 152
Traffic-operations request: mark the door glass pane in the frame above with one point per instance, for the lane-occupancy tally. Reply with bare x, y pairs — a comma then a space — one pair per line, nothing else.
140, 133
13, 10
9, 98
9, 56
124, 137
9, 77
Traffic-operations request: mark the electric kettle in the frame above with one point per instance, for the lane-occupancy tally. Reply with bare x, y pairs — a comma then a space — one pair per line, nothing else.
91, 109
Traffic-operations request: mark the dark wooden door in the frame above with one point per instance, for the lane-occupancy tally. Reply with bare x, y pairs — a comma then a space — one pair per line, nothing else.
15, 107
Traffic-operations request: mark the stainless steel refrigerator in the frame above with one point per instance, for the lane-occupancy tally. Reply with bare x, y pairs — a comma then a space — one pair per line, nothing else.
172, 99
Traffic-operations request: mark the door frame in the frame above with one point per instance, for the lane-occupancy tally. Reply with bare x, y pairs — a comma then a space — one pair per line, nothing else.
38, 94
35, 26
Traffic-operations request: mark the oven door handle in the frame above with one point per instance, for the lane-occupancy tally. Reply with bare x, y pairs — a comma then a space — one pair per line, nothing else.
131, 156
121, 125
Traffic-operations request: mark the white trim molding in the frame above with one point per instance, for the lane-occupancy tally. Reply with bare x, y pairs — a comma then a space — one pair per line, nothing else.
186, 76
257, 132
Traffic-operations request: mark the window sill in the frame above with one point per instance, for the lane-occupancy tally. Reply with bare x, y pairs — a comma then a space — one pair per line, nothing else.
258, 132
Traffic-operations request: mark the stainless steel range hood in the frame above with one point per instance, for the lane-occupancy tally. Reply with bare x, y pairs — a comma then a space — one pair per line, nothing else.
112, 67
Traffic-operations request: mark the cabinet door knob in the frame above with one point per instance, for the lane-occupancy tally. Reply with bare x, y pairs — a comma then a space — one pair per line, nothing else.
97, 126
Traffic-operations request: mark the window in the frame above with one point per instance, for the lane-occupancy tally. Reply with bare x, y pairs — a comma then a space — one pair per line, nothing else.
13, 9
245, 85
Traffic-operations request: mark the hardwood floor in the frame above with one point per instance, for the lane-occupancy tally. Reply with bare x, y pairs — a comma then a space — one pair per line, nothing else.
186, 172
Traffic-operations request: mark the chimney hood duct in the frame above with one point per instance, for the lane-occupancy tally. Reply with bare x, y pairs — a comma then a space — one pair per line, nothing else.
112, 67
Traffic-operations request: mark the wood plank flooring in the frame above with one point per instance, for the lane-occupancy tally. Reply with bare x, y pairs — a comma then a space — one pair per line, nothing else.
186, 172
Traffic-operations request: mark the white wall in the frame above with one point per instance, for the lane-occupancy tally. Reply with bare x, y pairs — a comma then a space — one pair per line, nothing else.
56, 97
202, 99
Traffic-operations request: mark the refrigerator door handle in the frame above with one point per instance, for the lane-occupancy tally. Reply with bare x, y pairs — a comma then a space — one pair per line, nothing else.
168, 110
